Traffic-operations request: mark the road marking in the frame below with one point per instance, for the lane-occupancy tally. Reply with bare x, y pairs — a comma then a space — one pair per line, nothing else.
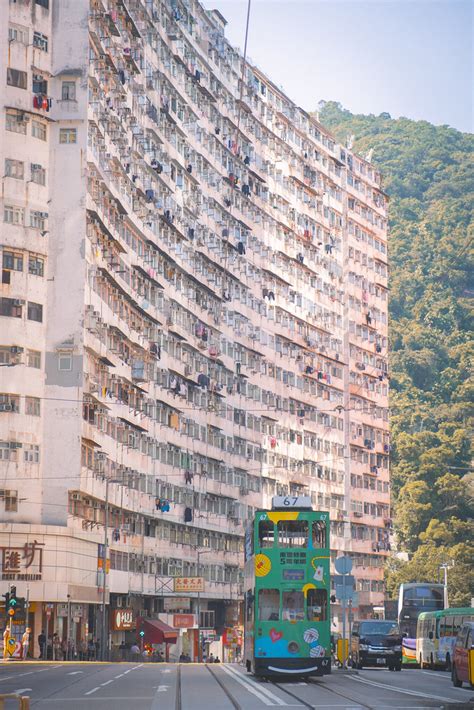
107, 682
162, 688
261, 688
75, 673
18, 675
436, 673
395, 689
94, 690
120, 675
22, 690
258, 692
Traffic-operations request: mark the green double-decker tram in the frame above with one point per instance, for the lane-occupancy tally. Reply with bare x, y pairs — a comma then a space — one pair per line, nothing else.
287, 587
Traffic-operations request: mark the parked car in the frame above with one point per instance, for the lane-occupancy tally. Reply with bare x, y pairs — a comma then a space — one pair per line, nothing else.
376, 643
463, 648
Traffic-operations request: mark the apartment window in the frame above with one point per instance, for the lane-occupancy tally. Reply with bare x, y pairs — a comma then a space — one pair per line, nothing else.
31, 453
16, 33
11, 501
43, 3
33, 359
15, 122
64, 362
13, 261
33, 406
17, 78
38, 174
5, 355
38, 130
40, 41
9, 403
38, 219
11, 307
68, 91
40, 84
68, 135
5, 451
13, 215
35, 312
14, 168
35, 265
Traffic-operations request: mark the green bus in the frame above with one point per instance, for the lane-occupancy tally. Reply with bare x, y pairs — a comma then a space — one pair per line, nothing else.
436, 635
287, 588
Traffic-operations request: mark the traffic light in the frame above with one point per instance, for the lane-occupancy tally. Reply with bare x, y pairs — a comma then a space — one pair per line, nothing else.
142, 634
12, 603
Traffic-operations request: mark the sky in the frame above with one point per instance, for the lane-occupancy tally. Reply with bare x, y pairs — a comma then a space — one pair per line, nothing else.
411, 58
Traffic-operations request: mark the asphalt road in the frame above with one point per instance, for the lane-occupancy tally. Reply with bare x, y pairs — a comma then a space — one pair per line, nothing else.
149, 686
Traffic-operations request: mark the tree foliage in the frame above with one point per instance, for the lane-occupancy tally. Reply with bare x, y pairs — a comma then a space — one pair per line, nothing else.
429, 174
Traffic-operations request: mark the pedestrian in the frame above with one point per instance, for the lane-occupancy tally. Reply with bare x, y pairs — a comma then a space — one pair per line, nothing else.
25, 642
217, 659
42, 645
56, 647
135, 650
90, 650
211, 658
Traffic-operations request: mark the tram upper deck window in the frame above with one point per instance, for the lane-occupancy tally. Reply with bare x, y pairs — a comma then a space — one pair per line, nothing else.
317, 604
319, 534
293, 533
293, 606
266, 533
269, 604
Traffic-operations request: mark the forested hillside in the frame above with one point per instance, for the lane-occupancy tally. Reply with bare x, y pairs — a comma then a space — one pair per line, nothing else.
429, 174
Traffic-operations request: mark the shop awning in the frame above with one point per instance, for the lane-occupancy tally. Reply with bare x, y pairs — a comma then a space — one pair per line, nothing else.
157, 631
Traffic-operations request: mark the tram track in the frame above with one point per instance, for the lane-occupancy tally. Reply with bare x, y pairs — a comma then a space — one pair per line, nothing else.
313, 682
178, 701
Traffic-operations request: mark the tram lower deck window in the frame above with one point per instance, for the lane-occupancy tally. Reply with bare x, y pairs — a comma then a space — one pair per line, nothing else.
293, 533
269, 604
317, 604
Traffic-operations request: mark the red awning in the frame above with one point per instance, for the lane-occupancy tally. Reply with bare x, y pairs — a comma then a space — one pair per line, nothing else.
157, 631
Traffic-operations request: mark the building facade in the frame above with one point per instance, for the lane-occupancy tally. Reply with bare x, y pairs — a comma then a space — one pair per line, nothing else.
193, 318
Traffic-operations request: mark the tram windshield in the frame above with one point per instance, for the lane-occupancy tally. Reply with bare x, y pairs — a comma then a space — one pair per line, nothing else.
292, 606
293, 533
269, 604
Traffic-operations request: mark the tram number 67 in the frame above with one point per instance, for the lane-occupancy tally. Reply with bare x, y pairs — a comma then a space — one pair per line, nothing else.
290, 501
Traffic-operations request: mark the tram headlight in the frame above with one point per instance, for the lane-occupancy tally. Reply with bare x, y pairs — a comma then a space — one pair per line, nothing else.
293, 647
364, 647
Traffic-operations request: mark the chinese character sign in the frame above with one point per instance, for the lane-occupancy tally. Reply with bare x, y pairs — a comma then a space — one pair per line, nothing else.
189, 584
22, 563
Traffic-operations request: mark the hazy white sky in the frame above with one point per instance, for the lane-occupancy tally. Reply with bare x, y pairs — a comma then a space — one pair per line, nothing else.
411, 58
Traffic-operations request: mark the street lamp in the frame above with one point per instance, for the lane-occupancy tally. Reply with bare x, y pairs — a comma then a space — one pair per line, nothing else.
103, 635
445, 566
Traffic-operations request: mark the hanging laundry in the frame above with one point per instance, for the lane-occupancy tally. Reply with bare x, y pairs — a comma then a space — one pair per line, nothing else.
203, 380
241, 248
188, 477
188, 515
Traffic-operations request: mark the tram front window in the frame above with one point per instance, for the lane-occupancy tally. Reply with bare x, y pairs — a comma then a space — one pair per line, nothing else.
293, 606
266, 533
293, 533
269, 604
317, 604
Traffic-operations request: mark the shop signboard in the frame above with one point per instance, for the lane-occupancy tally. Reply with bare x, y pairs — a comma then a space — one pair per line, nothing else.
23, 563
189, 584
184, 621
122, 620
177, 604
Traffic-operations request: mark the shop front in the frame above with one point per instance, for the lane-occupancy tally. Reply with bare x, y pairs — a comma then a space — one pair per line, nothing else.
123, 633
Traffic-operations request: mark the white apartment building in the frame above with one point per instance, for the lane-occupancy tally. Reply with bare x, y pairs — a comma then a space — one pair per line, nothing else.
193, 318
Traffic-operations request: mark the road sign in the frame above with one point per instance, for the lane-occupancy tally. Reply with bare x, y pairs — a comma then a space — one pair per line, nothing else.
344, 593
343, 565
336, 580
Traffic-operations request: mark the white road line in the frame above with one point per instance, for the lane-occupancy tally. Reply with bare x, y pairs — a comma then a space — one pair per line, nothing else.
395, 689
120, 675
107, 682
94, 690
17, 675
75, 673
436, 673
258, 695
22, 690
247, 683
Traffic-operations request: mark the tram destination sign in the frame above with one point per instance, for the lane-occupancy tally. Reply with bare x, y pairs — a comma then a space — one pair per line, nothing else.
291, 502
